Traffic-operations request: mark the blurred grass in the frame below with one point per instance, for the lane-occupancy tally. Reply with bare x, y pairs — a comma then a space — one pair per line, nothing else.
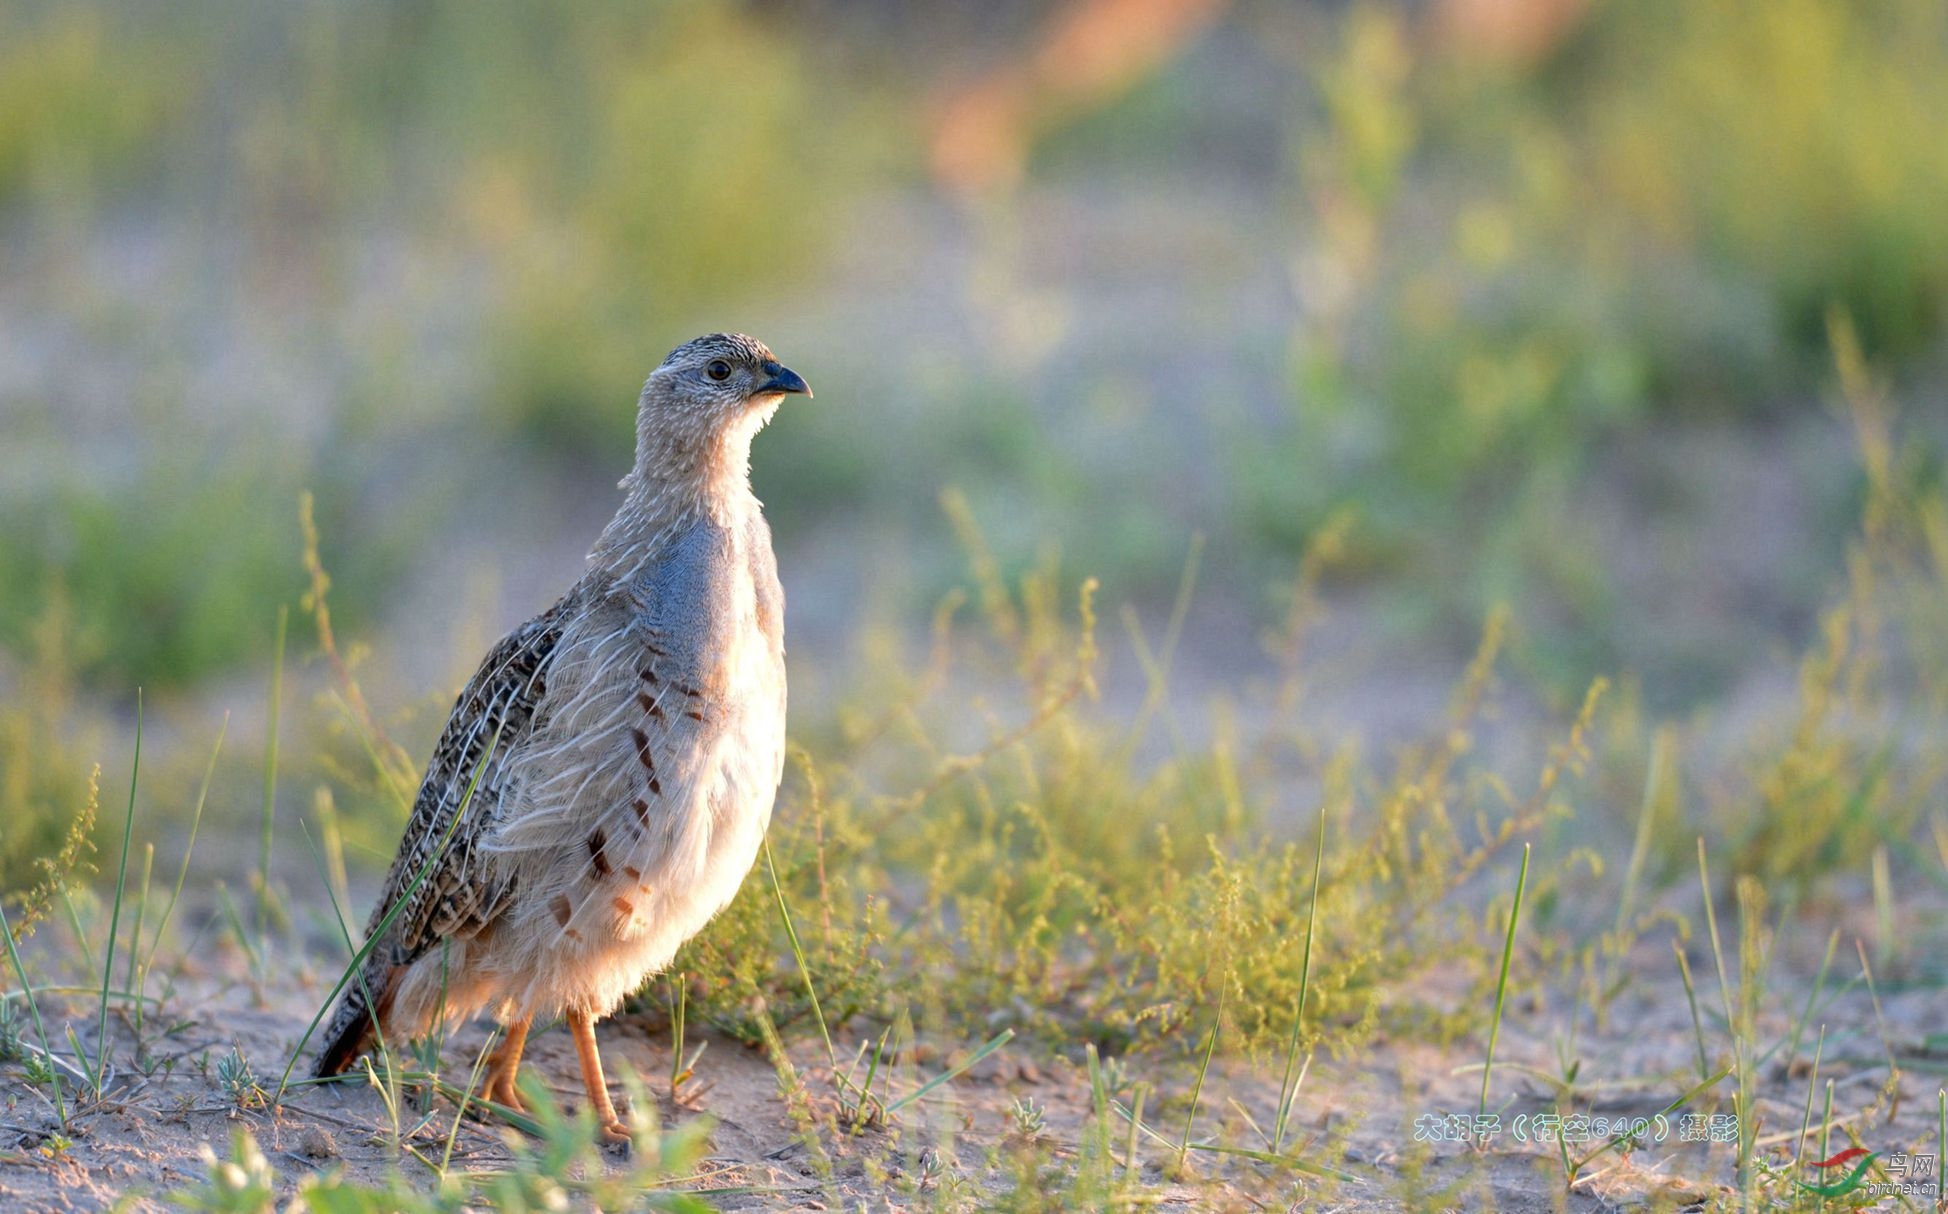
707, 156
45, 753
167, 577
469, 230
597, 182
1795, 144
63, 136
1511, 267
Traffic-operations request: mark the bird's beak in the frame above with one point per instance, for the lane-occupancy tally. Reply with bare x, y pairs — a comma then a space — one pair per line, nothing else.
782, 380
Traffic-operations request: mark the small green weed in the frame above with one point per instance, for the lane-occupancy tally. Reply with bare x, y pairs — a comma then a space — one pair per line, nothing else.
238, 1081
1028, 1119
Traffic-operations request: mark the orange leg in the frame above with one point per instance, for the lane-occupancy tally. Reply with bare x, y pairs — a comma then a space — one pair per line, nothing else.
582, 1025
505, 1064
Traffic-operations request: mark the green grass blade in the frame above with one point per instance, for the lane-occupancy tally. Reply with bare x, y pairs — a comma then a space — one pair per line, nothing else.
234, 918
115, 915
1501, 983
1102, 1153
1288, 1092
189, 849
1880, 1020
141, 913
1691, 996
33, 1005
952, 1073
1203, 1070
138, 978
1812, 1086
1717, 948
798, 954
1660, 746
466, 1098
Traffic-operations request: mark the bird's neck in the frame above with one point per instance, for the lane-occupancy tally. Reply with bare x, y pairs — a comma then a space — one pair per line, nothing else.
680, 476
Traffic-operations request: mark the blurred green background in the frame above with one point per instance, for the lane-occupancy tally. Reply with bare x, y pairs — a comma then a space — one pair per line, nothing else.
1538, 297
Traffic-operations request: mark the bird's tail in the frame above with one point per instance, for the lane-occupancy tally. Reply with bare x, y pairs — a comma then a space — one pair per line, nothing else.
355, 1025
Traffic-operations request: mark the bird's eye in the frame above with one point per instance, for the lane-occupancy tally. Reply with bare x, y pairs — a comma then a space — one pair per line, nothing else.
718, 369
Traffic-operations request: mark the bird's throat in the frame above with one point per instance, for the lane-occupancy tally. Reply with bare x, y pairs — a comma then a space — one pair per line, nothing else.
681, 475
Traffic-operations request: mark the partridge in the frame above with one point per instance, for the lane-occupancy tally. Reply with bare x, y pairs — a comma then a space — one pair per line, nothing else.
604, 781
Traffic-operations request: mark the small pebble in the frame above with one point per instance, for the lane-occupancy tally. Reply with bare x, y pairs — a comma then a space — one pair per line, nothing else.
316, 1142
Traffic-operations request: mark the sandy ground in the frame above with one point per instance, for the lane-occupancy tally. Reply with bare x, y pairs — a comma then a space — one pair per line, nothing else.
1368, 1116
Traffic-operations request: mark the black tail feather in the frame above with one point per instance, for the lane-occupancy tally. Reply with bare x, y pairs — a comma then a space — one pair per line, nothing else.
353, 1029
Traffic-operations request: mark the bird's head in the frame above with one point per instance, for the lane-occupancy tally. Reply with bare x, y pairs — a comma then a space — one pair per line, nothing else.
702, 405
720, 379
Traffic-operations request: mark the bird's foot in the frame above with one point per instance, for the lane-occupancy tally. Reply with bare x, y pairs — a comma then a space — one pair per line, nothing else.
504, 1067
582, 1025
503, 1094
